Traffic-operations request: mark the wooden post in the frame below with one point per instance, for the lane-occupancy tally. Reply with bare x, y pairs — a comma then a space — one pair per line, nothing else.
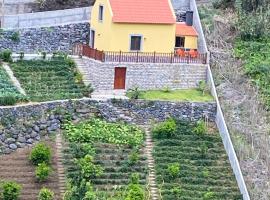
120, 53
137, 56
172, 57
102, 56
154, 57
95, 53
188, 58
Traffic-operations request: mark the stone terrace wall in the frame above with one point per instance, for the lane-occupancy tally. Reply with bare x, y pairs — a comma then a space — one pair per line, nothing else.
146, 75
49, 39
26, 124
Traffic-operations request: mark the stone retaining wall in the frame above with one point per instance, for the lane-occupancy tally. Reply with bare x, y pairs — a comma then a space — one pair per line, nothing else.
48, 39
26, 124
146, 76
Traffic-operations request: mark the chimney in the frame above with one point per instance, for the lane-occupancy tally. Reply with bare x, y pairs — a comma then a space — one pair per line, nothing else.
189, 18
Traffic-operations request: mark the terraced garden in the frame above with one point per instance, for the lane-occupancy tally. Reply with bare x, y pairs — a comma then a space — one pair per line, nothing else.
7, 89
191, 163
45, 80
105, 161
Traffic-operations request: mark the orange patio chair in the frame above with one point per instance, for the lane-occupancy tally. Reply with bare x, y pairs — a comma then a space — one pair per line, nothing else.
193, 53
180, 52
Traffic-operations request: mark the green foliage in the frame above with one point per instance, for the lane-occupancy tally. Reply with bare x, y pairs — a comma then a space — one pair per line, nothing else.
223, 4
8, 100
41, 153
21, 55
135, 191
5, 55
203, 87
209, 196
165, 129
45, 194
200, 128
43, 171
166, 89
10, 190
133, 157
90, 194
173, 170
15, 37
45, 80
44, 54
176, 191
88, 168
102, 131
134, 93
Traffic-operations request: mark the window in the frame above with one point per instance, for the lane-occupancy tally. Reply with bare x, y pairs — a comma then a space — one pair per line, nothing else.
135, 43
100, 13
180, 42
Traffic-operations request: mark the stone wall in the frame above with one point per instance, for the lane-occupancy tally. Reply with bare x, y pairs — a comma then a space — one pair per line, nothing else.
26, 124
146, 75
49, 39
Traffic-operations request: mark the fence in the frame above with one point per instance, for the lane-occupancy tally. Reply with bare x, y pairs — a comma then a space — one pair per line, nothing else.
137, 57
225, 135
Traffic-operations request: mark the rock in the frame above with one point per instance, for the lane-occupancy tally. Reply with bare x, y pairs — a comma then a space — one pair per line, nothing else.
30, 141
10, 140
21, 139
33, 134
43, 126
20, 145
53, 127
83, 111
13, 146
36, 128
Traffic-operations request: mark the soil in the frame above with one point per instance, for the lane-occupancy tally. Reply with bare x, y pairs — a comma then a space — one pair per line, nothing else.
17, 167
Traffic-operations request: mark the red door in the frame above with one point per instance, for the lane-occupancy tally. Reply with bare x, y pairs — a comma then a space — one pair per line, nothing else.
120, 78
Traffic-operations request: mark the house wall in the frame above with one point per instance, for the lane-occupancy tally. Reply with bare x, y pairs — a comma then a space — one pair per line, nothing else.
116, 36
191, 42
146, 75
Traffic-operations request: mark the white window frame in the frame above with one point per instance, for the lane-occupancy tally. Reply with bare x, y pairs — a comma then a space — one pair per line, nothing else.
101, 5
141, 45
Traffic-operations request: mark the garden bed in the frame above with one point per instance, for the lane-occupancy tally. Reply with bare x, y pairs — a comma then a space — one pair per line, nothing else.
117, 151
193, 95
45, 80
193, 166
17, 167
7, 89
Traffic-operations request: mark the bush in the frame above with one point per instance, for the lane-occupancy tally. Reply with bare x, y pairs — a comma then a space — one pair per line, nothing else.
21, 55
15, 37
88, 168
135, 190
10, 190
203, 87
44, 54
5, 55
173, 169
133, 157
43, 172
165, 129
134, 93
7, 100
45, 194
209, 195
41, 153
200, 128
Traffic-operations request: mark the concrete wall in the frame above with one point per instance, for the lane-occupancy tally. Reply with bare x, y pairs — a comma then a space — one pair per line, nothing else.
180, 4
146, 75
49, 18
49, 39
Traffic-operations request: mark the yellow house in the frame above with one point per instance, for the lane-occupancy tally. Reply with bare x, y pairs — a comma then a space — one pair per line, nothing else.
138, 25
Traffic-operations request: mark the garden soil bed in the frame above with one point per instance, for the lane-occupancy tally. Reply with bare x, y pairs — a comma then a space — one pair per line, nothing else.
17, 167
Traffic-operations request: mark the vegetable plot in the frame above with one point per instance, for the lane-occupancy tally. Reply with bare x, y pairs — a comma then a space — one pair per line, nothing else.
191, 164
45, 80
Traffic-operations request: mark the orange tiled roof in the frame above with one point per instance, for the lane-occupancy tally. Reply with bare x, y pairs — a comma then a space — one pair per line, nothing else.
142, 11
183, 30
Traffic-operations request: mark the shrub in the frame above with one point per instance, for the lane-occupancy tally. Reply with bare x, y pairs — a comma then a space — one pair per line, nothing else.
200, 128
21, 55
7, 100
176, 191
41, 153
209, 195
43, 172
135, 190
88, 168
166, 89
134, 93
174, 169
44, 54
15, 37
133, 157
203, 87
10, 190
165, 129
5, 55
90, 194
45, 194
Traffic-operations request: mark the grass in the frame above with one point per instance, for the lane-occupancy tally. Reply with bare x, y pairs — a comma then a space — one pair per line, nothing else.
7, 88
204, 169
45, 80
193, 95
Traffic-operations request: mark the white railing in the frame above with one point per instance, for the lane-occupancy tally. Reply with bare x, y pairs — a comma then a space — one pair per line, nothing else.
47, 19
226, 139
